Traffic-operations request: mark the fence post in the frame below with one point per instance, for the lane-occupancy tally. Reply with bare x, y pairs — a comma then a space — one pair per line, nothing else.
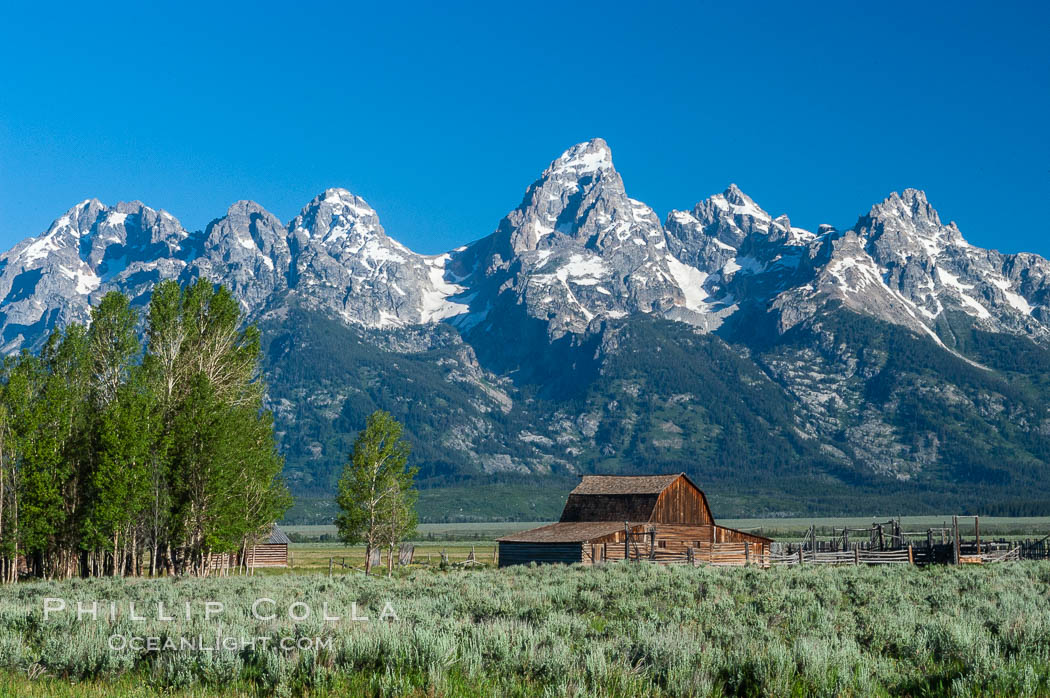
955, 539
977, 532
911, 555
801, 559
626, 541
747, 554
856, 556
329, 567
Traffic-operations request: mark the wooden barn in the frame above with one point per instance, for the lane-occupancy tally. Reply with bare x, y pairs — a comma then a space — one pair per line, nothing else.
664, 518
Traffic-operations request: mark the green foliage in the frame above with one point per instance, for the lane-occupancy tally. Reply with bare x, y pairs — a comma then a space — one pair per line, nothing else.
114, 345
376, 497
126, 432
108, 454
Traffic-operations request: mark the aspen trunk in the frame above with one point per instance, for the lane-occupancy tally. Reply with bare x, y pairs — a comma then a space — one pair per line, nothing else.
118, 556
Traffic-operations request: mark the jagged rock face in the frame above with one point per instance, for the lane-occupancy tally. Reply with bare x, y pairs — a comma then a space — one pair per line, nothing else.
51, 280
902, 265
334, 256
899, 263
578, 250
344, 261
248, 249
745, 255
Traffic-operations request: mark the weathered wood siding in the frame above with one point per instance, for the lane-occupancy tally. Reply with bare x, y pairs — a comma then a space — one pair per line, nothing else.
675, 539
682, 503
268, 555
524, 553
608, 507
731, 535
264, 555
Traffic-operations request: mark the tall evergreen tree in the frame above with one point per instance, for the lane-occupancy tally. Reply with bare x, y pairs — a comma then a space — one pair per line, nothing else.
18, 400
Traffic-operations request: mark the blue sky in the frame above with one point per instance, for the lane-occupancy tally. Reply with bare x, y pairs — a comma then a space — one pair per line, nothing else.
440, 115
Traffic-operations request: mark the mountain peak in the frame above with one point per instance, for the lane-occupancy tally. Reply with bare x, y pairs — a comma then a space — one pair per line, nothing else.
79, 217
335, 212
734, 194
336, 195
735, 202
247, 207
584, 158
909, 205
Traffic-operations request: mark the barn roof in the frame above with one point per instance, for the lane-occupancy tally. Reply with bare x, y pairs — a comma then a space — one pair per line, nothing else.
624, 484
572, 532
617, 497
276, 537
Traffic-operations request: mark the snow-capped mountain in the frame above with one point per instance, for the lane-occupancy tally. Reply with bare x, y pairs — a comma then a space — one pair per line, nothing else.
344, 261
651, 346
901, 264
51, 280
333, 256
577, 252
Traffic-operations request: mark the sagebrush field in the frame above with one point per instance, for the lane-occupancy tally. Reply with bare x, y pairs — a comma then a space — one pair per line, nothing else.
620, 629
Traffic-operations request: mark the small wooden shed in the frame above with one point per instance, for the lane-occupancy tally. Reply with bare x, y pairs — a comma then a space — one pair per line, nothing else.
612, 517
271, 551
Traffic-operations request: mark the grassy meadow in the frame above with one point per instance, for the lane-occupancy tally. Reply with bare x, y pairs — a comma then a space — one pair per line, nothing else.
616, 630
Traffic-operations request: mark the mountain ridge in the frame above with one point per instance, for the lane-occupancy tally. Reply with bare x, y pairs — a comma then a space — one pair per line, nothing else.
547, 347
576, 249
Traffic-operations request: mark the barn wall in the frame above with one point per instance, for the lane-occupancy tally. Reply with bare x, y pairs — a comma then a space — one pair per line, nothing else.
730, 535
608, 507
681, 503
524, 553
268, 555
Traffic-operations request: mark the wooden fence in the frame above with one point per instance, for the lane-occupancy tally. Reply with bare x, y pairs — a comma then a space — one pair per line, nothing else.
881, 544
888, 543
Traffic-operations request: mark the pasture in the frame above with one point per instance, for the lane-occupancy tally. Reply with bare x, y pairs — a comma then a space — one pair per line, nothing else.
614, 630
